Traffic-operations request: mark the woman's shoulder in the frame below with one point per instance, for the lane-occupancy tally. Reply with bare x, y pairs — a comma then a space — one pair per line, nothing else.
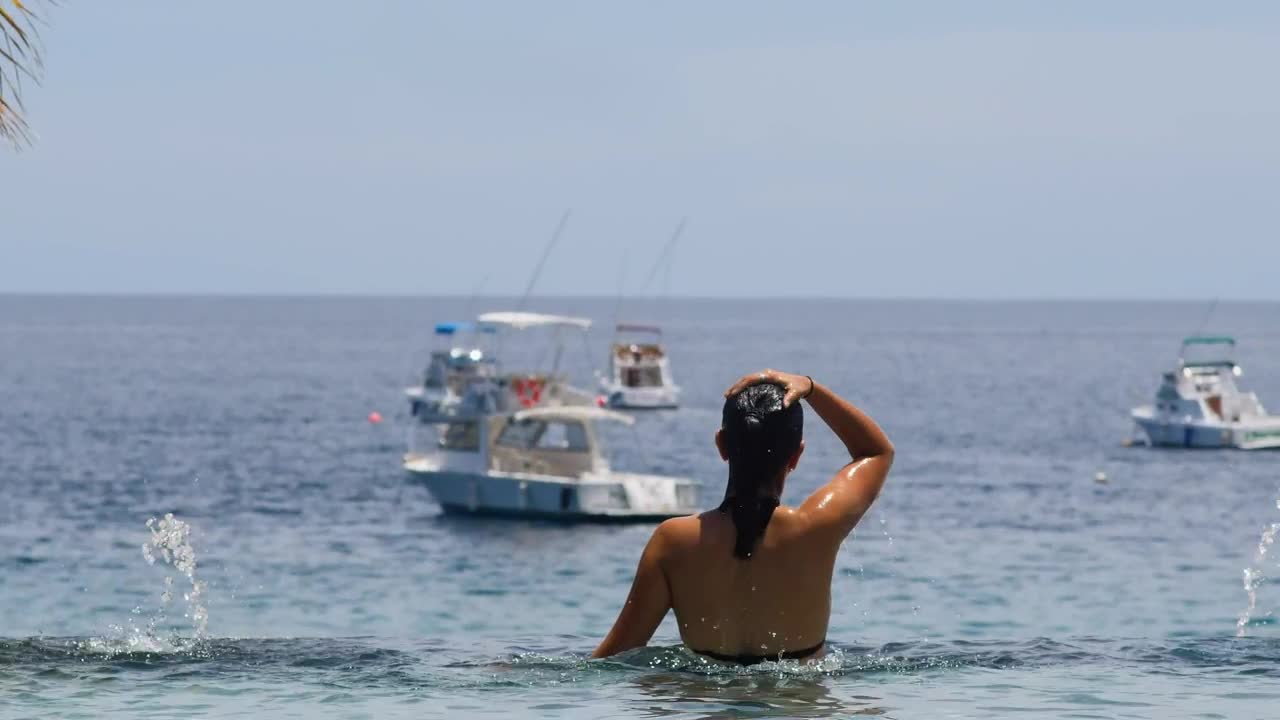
677, 528
791, 522
688, 531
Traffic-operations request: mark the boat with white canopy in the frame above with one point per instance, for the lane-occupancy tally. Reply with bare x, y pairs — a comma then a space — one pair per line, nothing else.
544, 462
1200, 405
639, 375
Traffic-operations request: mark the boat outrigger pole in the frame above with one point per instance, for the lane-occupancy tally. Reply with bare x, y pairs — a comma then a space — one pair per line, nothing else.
537, 269
662, 257
546, 252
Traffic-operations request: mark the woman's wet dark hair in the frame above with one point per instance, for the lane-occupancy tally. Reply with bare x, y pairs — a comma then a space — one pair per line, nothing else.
759, 437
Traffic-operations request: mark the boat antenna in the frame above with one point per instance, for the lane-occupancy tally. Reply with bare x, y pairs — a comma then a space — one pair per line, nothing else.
1207, 314
1204, 321
546, 252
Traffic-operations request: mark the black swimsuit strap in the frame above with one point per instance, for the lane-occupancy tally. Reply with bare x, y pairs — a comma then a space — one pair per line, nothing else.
757, 659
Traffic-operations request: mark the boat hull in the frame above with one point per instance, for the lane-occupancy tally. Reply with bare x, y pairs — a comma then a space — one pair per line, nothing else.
642, 398
629, 499
1260, 435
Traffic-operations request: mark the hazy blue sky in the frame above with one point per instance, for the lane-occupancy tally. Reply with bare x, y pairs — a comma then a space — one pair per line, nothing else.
941, 149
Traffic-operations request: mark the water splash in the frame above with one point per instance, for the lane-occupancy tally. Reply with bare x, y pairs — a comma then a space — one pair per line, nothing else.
170, 543
1254, 576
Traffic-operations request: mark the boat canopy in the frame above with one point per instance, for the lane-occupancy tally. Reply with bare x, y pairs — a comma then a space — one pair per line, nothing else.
451, 328
1209, 340
525, 320
574, 412
630, 327
1208, 351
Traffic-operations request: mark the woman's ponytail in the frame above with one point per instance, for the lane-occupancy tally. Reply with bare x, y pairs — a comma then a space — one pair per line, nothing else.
760, 436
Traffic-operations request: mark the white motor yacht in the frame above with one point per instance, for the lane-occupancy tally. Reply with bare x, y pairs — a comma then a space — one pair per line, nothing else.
543, 462
1199, 405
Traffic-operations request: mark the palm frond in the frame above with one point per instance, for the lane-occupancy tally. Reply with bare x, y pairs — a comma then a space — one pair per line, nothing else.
20, 56
13, 127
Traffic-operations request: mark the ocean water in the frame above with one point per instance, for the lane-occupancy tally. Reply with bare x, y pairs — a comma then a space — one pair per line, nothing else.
994, 578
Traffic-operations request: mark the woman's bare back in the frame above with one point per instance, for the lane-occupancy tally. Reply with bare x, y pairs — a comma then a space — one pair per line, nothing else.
777, 601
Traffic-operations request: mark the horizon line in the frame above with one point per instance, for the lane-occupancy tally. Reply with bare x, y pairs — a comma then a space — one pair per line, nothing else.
245, 295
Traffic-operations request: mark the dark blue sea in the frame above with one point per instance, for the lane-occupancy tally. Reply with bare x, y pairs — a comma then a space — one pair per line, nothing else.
996, 577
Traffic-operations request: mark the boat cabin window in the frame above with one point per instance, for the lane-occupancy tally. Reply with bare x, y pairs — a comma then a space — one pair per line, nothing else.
520, 435
642, 377
564, 436
540, 435
461, 436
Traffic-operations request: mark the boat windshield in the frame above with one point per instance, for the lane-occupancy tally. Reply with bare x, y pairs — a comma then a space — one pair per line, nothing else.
562, 435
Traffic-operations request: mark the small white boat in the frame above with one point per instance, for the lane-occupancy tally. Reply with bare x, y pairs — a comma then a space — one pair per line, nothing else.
639, 372
543, 462
1199, 405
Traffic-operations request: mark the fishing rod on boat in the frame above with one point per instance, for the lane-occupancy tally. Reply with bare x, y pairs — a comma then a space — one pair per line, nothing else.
662, 257
1213, 304
662, 263
537, 270
475, 295
666, 278
670, 260
546, 252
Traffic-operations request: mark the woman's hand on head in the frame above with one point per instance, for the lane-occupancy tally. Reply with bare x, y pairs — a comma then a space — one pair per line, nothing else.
796, 386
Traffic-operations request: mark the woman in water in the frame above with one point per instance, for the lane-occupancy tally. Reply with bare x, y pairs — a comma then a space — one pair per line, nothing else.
751, 580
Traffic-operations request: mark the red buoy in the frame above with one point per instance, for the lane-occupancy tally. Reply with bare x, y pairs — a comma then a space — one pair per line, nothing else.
375, 417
